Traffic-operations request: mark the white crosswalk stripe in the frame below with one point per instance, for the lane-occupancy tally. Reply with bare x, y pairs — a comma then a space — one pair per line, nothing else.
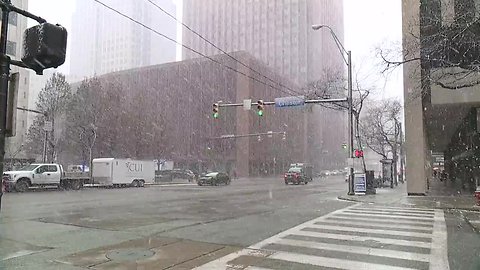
327, 227
356, 237
347, 222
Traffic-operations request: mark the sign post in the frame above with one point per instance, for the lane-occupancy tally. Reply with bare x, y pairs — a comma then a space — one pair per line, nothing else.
48, 126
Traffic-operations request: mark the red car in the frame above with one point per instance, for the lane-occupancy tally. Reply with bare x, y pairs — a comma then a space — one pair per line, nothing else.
296, 175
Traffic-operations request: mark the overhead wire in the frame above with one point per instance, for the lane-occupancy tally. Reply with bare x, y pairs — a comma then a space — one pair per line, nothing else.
190, 49
220, 49
338, 108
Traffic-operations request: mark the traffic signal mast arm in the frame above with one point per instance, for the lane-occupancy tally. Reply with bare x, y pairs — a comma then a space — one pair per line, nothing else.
266, 103
232, 136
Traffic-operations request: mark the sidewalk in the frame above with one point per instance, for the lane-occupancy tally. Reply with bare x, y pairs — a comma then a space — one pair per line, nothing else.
439, 196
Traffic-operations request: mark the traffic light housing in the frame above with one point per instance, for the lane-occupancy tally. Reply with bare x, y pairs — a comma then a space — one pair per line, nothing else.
215, 111
44, 46
260, 107
358, 153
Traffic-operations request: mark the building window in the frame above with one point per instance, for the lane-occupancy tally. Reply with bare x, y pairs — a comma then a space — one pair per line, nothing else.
11, 48
24, 94
12, 18
23, 124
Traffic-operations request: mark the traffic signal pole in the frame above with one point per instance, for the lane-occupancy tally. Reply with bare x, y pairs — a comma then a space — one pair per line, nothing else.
4, 77
5, 61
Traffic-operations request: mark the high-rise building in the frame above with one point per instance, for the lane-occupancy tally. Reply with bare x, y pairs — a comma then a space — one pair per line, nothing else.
441, 93
103, 41
277, 32
17, 24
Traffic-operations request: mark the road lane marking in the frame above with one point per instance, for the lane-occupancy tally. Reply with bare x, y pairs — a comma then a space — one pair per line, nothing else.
353, 223
392, 213
394, 207
388, 216
222, 263
383, 243
420, 225
439, 250
357, 250
379, 231
391, 220
332, 262
432, 213
387, 241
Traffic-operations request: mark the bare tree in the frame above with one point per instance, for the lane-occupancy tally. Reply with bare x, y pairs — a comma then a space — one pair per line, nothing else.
448, 44
333, 86
82, 118
52, 101
381, 129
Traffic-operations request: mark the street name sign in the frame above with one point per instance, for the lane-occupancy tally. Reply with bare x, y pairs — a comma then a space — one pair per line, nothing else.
289, 101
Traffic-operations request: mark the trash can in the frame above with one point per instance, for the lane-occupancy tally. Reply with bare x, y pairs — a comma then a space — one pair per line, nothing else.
370, 175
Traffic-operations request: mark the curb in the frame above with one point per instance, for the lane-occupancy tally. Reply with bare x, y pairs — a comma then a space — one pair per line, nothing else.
171, 184
473, 208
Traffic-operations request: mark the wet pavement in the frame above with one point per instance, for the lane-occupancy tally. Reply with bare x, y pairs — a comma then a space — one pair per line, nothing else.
174, 227
187, 226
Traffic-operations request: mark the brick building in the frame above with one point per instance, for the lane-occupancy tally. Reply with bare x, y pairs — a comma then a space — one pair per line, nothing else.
182, 94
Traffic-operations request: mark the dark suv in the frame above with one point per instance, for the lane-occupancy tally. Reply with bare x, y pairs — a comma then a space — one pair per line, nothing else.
297, 175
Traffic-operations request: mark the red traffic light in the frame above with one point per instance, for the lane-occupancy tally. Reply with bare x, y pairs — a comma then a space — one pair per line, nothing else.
358, 153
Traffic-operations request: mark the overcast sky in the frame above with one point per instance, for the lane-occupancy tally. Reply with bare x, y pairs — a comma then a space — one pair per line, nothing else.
368, 25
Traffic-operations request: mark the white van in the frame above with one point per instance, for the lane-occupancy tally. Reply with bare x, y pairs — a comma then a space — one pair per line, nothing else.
123, 172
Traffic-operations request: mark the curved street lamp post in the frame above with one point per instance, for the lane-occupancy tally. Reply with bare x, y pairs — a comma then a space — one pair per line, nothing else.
348, 62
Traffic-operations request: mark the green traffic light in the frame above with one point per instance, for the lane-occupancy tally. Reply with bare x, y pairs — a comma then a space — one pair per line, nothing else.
215, 115
260, 113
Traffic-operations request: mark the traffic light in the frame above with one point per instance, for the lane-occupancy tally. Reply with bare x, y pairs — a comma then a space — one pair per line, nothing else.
215, 110
260, 107
44, 46
358, 153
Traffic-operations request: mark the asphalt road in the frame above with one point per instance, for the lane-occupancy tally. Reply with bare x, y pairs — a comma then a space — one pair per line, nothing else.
251, 224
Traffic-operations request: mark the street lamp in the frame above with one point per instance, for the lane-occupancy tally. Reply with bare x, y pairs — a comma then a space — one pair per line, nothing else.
348, 62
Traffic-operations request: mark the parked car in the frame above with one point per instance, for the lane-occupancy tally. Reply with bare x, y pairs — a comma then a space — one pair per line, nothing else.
297, 175
214, 179
164, 176
183, 174
41, 175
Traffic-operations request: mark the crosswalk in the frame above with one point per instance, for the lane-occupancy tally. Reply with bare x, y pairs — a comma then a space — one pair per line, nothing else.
361, 236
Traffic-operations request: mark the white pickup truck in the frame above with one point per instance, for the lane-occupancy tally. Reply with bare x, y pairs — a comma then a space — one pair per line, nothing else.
42, 175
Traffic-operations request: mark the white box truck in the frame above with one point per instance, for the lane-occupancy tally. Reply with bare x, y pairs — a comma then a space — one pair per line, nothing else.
123, 172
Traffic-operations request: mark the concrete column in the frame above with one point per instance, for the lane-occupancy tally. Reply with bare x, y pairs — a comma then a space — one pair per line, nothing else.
243, 88
415, 135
